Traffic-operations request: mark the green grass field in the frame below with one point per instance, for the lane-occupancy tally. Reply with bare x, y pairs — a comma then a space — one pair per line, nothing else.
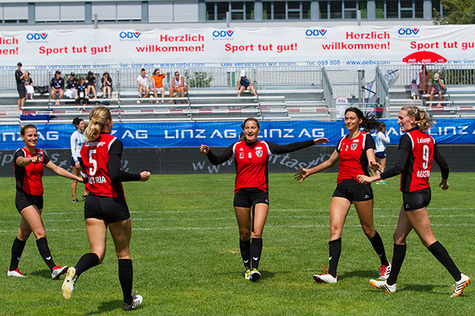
186, 256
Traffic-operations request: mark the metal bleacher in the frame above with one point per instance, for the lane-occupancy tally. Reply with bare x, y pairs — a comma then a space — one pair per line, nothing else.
275, 101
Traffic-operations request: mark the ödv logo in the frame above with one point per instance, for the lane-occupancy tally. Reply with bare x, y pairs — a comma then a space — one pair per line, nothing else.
223, 33
408, 31
36, 36
124, 34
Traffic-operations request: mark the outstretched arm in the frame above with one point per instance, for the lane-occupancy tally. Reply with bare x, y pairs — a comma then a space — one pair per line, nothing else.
282, 149
304, 173
216, 160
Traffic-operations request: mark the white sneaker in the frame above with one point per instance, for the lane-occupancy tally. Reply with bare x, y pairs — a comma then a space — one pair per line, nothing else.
68, 285
15, 273
136, 302
139, 101
57, 271
458, 287
384, 272
383, 285
324, 278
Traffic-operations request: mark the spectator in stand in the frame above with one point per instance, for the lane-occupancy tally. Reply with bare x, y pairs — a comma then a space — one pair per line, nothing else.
29, 85
414, 90
157, 83
381, 140
57, 86
81, 96
20, 83
143, 80
244, 83
438, 87
178, 86
106, 86
424, 80
91, 84
71, 85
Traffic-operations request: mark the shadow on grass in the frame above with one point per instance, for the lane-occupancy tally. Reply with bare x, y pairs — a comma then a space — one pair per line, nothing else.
45, 273
429, 288
107, 307
366, 274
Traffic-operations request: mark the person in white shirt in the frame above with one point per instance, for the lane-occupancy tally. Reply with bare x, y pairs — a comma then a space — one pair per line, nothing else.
143, 80
381, 139
77, 139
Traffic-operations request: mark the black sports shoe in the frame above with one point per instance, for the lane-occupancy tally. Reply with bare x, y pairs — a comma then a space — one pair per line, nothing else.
136, 301
75, 200
84, 196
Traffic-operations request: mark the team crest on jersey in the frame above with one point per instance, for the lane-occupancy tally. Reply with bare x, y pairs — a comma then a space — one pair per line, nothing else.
353, 146
259, 153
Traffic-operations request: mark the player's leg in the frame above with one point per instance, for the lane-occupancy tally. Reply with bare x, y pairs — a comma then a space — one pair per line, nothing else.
243, 217
259, 218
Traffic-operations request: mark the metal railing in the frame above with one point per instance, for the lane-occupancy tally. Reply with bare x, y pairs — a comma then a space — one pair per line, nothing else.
382, 92
328, 94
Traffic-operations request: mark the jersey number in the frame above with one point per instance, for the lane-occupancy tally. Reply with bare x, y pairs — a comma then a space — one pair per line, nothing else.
93, 169
425, 156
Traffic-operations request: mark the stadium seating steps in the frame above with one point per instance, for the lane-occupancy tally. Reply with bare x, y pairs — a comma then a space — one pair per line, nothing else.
458, 102
200, 104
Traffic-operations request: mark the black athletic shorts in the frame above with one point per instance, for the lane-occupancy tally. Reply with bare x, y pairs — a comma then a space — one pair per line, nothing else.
353, 191
73, 164
109, 209
248, 197
380, 155
23, 200
416, 200
21, 92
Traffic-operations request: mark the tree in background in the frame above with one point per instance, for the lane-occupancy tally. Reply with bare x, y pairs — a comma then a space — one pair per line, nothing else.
457, 12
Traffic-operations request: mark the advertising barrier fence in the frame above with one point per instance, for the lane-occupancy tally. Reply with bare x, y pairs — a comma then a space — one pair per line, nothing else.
223, 134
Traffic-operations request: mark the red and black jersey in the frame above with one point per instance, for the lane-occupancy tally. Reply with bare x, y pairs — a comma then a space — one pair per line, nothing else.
29, 178
416, 152
101, 167
353, 159
251, 161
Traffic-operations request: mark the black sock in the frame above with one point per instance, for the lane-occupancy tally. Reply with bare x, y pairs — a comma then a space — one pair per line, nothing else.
443, 256
245, 247
86, 262
378, 246
126, 273
256, 249
335, 251
42, 244
398, 258
17, 250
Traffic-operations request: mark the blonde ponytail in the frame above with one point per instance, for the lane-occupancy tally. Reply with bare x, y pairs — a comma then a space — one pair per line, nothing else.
423, 121
97, 119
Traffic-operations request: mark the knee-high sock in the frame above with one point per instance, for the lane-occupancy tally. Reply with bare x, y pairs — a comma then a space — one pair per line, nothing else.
86, 262
398, 258
17, 250
245, 247
335, 251
43, 248
256, 250
126, 274
378, 246
443, 256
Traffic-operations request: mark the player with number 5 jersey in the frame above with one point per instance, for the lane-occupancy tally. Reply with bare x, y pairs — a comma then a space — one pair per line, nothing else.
416, 152
105, 205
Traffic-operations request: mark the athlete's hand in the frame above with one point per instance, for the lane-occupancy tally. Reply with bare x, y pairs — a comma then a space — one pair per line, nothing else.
362, 178
144, 176
204, 149
444, 184
302, 174
319, 141
375, 166
35, 159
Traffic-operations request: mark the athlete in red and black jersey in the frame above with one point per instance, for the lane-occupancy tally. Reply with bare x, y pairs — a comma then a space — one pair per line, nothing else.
29, 163
251, 200
105, 205
355, 152
416, 152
